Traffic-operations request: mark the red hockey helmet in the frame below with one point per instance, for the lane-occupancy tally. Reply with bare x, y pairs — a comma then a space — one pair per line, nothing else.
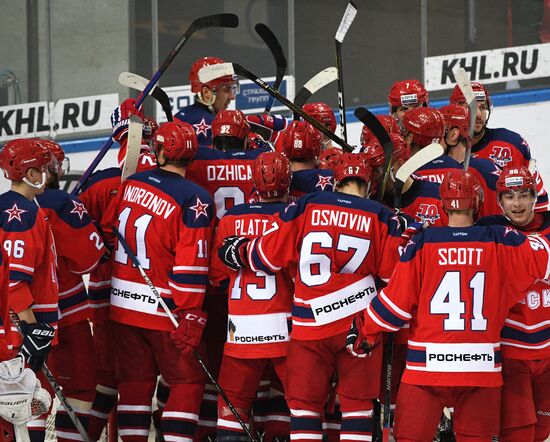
514, 179
408, 93
352, 165
460, 190
301, 141
177, 139
456, 116
426, 125
18, 156
322, 112
196, 84
230, 123
60, 163
329, 158
389, 123
374, 153
271, 174
481, 94
401, 150
150, 126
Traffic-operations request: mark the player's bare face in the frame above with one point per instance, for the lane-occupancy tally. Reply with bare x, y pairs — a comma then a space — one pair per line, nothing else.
518, 206
224, 95
481, 116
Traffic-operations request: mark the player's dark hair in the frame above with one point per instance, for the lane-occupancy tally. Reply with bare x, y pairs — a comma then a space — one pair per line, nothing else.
226, 142
352, 180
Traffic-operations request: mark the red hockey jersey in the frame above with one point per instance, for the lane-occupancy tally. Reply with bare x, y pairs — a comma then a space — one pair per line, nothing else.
452, 285
259, 304
338, 244
422, 202
167, 221
310, 180
79, 248
226, 175
27, 238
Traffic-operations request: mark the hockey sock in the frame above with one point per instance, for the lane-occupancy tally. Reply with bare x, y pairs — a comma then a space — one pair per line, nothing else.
277, 422
104, 401
180, 416
81, 404
229, 430
37, 428
332, 424
134, 410
209, 411
356, 425
260, 404
163, 392
305, 425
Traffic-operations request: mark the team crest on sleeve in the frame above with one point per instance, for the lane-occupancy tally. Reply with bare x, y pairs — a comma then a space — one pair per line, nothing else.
15, 213
324, 181
202, 128
78, 209
428, 212
200, 209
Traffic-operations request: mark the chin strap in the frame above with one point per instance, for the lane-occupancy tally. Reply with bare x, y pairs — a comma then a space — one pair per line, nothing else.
36, 185
203, 101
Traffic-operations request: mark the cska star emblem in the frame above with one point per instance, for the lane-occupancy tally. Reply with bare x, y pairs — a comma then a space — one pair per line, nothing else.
324, 181
15, 213
200, 209
79, 209
201, 128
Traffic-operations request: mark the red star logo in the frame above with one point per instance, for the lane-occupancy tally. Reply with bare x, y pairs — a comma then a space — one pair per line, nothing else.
324, 181
201, 128
79, 209
200, 209
15, 213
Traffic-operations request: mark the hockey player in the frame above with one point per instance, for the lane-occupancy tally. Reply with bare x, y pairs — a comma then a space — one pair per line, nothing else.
27, 238
254, 298
525, 347
338, 242
405, 95
302, 146
389, 123
79, 248
502, 146
167, 220
210, 98
323, 113
448, 285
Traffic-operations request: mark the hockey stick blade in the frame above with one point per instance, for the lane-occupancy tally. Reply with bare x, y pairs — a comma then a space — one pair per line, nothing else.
278, 54
463, 81
319, 81
218, 20
135, 131
368, 119
347, 20
134, 81
423, 156
219, 70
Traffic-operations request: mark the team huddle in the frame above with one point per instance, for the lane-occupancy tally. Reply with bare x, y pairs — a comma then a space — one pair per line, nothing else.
251, 256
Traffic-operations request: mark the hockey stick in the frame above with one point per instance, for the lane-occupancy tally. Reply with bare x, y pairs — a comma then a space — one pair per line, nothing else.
347, 20
208, 73
463, 81
139, 83
148, 281
133, 148
315, 83
210, 21
57, 389
368, 119
280, 60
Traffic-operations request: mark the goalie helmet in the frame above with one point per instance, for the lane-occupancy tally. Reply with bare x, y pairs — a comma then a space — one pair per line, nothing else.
18, 156
177, 140
301, 141
515, 179
271, 174
457, 116
387, 121
60, 163
352, 165
322, 112
481, 94
425, 124
196, 84
460, 190
408, 93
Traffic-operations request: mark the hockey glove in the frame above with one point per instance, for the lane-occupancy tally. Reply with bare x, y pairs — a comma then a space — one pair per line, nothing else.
233, 252
267, 126
120, 118
189, 332
412, 229
37, 341
358, 344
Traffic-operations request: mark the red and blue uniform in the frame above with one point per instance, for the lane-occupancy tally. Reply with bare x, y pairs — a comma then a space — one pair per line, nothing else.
310, 180
422, 202
200, 117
